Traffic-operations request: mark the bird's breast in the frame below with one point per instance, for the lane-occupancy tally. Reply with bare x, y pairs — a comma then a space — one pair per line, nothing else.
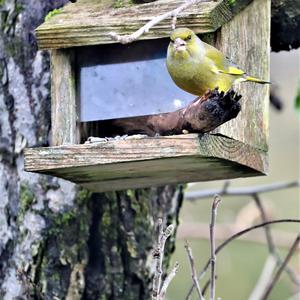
192, 76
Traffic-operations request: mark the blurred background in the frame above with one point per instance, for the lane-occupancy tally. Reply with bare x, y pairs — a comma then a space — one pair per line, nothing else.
238, 274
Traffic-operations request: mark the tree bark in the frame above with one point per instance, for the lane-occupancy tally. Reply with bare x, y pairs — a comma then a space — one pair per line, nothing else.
58, 241
285, 25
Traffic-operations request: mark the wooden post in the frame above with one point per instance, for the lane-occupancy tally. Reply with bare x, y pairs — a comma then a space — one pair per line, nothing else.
63, 98
246, 40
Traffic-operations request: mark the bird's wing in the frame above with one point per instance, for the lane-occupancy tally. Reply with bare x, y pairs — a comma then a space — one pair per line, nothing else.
232, 71
221, 63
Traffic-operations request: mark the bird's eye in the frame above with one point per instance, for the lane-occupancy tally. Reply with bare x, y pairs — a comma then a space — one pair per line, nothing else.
188, 38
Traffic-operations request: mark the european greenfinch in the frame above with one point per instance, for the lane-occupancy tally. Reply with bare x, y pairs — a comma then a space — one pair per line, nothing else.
196, 66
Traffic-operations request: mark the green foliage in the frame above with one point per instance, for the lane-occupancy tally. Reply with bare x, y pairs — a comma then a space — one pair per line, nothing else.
52, 13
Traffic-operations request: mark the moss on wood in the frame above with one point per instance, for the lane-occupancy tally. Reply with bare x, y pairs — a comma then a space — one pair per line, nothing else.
52, 13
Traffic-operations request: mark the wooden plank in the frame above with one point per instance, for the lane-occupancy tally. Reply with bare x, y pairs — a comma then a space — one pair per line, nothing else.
63, 98
246, 40
89, 22
148, 161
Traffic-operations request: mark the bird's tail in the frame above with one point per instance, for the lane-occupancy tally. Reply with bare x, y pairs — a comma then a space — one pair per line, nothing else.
257, 80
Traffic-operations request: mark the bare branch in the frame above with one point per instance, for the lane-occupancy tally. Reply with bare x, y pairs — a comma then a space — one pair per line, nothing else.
199, 231
271, 245
235, 236
193, 269
206, 286
158, 255
282, 267
264, 278
167, 281
245, 191
129, 38
213, 258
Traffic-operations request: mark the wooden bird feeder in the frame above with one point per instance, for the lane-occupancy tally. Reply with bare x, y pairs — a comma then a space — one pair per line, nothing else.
95, 79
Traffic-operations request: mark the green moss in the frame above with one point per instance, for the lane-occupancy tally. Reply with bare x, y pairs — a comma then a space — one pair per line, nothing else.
106, 219
26, 199
118, 4
52, 13
131, 247
55, 277
19, 8
65, 218
231, 2
130, 193
122, 3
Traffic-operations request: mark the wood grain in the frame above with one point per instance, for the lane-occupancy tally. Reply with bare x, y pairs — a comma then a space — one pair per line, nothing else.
246, 40
89, 22
63, 98
141, 162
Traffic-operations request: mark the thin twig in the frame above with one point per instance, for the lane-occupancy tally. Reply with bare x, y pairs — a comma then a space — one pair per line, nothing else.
213, 258
282, 267
206, 286
193, 269
271, 245
167, 281
244, 191
235, 236
129, 38
158, 255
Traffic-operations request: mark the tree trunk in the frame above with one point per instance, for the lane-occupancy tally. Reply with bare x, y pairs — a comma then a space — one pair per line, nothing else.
58, 241
285, 25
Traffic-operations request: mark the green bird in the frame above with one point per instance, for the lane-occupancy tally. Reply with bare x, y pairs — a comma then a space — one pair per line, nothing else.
196, 66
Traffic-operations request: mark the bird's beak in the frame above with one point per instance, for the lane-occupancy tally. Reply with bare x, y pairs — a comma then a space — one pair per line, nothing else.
179, 44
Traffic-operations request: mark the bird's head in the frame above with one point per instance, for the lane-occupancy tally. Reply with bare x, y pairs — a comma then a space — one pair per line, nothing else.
184, 43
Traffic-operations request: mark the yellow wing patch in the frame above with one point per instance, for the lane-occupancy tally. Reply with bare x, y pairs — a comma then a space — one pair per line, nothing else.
232, 71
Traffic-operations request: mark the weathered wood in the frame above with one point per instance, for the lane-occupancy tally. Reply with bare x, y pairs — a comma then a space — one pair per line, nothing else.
141, 162
89, 22
63, 98
246, 40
